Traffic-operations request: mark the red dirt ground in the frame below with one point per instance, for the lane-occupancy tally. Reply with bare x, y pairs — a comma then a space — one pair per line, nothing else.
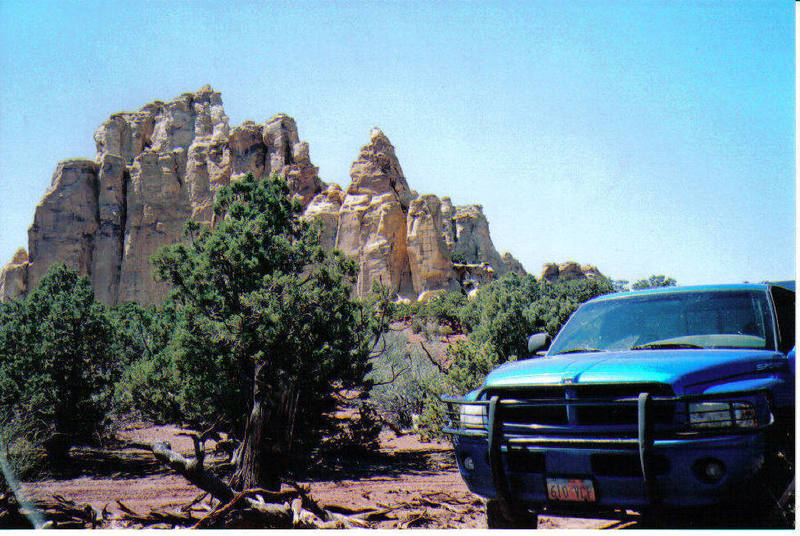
426, 483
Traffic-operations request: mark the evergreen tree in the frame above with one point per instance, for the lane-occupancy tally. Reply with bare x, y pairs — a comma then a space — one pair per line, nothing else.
268, 328
55, 363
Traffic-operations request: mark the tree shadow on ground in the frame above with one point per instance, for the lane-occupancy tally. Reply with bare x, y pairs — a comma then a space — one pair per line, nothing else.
371, 464
122, 463
101, 463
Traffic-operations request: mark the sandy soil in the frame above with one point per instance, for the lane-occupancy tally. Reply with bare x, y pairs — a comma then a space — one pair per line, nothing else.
420, 476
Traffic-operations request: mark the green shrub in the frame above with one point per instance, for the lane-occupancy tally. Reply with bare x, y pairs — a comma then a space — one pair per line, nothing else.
458, 258
147, 383
23, 446
55, 364
150, 388
470, 363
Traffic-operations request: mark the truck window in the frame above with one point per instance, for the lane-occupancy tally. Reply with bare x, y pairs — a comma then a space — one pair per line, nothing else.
707, 319
784, 309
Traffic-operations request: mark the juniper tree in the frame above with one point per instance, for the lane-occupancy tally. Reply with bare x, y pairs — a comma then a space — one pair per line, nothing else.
269, 329
55, 363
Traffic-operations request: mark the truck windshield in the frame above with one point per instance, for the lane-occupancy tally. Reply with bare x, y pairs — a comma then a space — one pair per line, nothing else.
685, 319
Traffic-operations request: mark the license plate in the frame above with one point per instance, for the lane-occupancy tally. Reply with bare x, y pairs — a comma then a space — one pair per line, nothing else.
571, 489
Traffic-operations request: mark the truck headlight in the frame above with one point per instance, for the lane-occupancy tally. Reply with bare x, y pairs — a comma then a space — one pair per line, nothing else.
473, 416
722, 415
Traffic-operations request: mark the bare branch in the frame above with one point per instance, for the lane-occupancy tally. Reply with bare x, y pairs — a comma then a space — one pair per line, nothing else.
394, 376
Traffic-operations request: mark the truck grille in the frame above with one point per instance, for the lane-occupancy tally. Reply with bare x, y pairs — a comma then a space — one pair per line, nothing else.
581, 405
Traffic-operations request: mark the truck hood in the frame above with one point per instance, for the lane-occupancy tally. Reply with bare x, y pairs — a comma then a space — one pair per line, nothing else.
686, 370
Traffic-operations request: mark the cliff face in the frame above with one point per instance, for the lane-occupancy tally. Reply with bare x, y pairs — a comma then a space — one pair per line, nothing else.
159, 166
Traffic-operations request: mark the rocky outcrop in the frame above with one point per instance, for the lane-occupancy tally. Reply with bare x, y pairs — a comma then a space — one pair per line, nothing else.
324, 209
401, 239
110, 236
157, 209
569, 271
591, 272
163, 164
154, 169
274, 147
14, 276
372, 219
377, 171
467, 235
474, 276
428, 255
65, 221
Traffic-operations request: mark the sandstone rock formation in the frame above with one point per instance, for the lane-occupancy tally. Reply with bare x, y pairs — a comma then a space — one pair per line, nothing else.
428, 254
569, 271
14, 276
469, 238
65, 221
401, 239
324, 209
163, 164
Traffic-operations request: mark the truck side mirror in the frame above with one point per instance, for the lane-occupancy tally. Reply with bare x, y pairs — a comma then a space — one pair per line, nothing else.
537, 341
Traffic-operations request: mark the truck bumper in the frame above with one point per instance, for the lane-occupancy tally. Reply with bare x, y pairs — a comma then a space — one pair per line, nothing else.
678, 473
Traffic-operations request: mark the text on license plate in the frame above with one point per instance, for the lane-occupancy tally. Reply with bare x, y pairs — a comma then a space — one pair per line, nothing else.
571, 489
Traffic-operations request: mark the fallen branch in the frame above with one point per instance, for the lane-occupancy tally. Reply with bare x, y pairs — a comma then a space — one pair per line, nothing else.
189, 506
285, 509
211, 519
192, 470
62, 513
156, 516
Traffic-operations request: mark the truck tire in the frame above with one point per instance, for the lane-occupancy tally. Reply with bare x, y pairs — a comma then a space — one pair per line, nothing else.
499, 516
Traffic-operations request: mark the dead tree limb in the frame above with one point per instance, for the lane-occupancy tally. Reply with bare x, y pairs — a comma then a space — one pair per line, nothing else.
192, 470
285, 509
187, 507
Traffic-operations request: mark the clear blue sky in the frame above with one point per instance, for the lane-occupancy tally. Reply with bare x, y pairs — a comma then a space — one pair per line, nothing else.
642, 137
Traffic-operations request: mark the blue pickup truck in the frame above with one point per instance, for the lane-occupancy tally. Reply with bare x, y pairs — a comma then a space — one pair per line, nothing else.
669, 402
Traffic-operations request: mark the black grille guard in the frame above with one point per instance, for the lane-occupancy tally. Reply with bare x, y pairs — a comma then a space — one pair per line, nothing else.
640, 435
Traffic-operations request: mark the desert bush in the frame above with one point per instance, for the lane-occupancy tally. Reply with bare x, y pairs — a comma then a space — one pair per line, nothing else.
470, 362
458, 258
446, 311
149, 388
404, 378
23, 447
654, 281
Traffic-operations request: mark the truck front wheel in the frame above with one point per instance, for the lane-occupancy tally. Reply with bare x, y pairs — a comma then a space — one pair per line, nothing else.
500, 516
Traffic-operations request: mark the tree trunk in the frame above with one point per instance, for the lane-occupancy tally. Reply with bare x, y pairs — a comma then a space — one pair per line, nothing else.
268, 436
